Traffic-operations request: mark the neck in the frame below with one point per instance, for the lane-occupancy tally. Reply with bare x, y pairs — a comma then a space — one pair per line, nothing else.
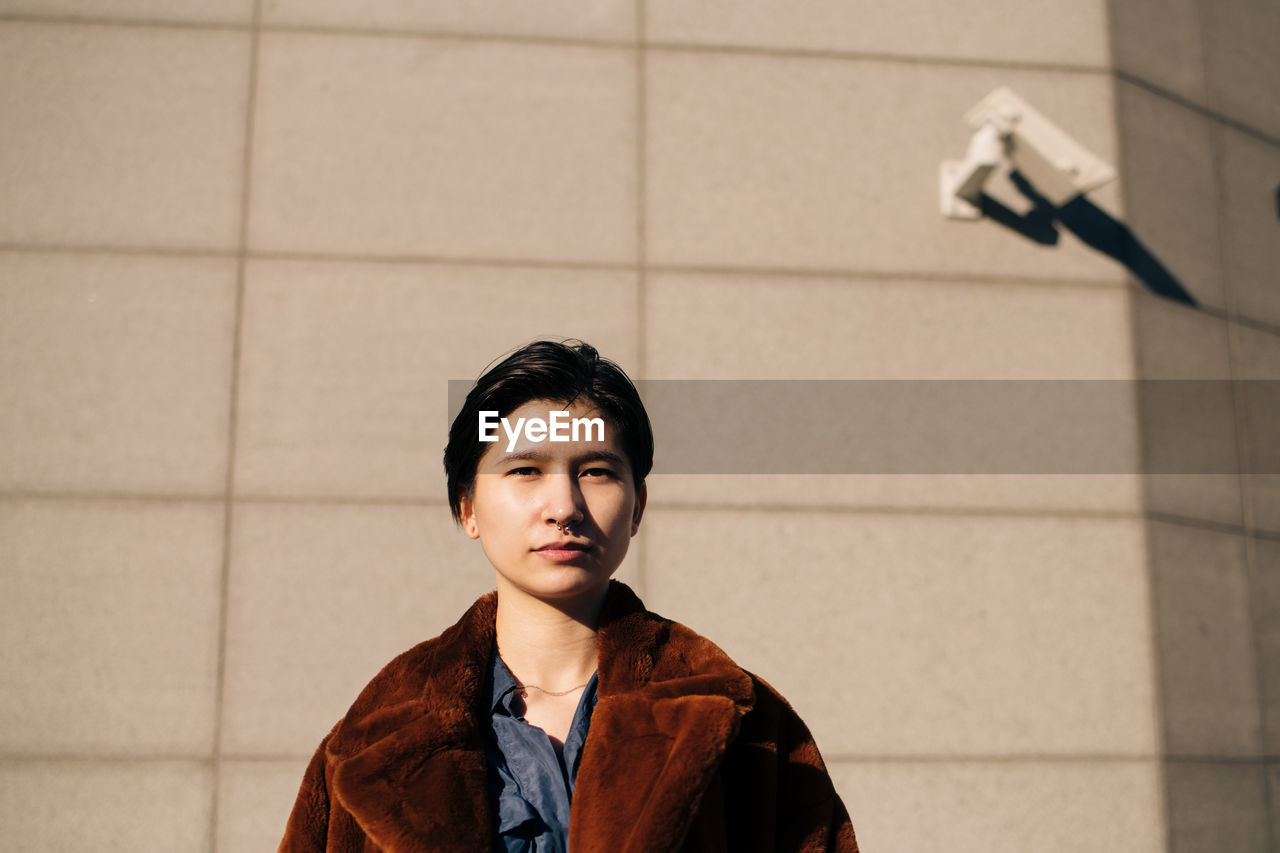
551, 644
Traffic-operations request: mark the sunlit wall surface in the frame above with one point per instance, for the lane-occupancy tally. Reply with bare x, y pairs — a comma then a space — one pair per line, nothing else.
245, 244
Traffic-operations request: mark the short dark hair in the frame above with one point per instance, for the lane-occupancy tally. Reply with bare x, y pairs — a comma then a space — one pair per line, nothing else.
547, 370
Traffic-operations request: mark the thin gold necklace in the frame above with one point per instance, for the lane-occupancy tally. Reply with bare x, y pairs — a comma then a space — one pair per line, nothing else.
525, 688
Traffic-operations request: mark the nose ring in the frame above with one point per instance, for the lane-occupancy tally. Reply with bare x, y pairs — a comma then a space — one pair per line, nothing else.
564, 527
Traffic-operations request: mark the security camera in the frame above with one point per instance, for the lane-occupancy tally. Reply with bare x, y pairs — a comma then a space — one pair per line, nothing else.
1008, 129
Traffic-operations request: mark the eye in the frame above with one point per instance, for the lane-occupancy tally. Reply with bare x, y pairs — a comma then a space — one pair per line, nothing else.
524, 471
597, 473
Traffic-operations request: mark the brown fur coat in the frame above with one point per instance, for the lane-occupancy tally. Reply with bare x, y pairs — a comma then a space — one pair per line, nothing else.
686, 752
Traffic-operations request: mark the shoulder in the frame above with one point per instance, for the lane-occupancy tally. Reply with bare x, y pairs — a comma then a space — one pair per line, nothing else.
774, 723
643, 654
441, 677
774, 780
640, 649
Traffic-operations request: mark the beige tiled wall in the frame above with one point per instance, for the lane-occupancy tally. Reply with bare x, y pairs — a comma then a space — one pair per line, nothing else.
305, 582
1241, 65
1199, 149
735, 326
1183, 231
111, 626
145, 804
252, 794
341, 363
444, 148
1209, 674
244, 245
1251, 254
178, 11
1057, 32
927, 806
1020, 630
118, 372
603, 20
843, 174
122, 136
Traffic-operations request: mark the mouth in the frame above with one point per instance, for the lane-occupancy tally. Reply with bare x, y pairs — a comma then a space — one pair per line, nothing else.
562, 551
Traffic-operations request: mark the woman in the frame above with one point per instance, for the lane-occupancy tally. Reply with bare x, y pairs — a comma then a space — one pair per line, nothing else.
559, 688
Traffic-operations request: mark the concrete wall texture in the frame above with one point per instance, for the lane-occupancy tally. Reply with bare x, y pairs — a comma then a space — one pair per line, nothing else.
244, 244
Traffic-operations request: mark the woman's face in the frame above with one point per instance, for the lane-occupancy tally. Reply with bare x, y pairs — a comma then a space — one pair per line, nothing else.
524, 487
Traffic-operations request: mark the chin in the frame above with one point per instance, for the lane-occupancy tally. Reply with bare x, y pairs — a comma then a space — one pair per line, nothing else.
565, 583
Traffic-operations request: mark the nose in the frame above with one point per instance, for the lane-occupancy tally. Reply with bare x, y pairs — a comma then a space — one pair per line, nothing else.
562, 502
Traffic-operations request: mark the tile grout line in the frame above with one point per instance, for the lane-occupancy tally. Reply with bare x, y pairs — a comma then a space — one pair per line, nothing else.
928, 276
832, 276
642, 188
33, 495
827, 509
705, 48
641, 202
992, 758
54, 20
1217, 153
232, 422
1160, 719
1253, 581
660, 505
98, 758
1054, 758
832, 55
1152, 586
654, 506
121, 251
835, 277
1244, 456
1213, 526
1205, 111
597, 42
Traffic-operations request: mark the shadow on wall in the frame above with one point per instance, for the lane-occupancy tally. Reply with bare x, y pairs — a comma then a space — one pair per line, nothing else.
1094, 227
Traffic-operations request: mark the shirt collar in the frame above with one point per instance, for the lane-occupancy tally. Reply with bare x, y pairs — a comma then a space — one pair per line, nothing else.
503, 686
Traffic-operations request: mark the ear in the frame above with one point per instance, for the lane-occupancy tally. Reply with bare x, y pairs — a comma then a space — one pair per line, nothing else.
467, 512
642, 497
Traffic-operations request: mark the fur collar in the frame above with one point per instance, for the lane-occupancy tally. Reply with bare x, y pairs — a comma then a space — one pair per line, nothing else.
408, 760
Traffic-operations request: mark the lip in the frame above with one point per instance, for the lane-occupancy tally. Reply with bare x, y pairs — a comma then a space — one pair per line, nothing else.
563, 551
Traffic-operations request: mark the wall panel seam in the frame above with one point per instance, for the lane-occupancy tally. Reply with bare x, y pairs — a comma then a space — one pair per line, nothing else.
246, 175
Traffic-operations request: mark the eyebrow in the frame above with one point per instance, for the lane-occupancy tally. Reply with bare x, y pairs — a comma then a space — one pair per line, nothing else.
536, 455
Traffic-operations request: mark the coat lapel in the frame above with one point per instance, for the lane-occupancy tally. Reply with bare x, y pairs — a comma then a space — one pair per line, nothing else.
645, 770
670, 704
409, 762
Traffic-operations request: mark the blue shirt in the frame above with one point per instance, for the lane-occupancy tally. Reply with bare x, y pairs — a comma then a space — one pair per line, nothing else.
530, 780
